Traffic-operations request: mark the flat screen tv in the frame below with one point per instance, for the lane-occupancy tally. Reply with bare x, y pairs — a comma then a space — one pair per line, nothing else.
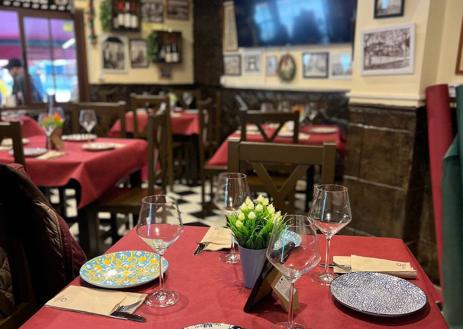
266, 23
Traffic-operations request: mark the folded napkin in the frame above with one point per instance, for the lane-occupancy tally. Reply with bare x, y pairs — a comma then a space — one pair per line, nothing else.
217, 238
95, 301
51, 155
354, 263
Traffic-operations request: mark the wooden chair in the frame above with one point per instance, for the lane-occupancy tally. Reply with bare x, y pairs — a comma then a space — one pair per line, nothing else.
13, 130
256, 158
259, 119
107, 114
208, 143
127, 200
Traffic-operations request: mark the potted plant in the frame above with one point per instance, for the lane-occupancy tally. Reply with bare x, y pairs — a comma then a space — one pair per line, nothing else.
252, 227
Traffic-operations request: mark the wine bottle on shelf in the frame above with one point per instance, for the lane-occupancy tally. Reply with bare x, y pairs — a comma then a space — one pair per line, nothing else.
175, 54
120, 13
127, 15
162, 53
134, 11
168, 54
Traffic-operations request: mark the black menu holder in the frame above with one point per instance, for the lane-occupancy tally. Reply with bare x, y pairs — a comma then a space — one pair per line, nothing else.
262, 288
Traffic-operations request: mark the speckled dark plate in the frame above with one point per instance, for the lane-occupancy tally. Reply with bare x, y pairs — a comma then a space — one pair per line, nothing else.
378, 294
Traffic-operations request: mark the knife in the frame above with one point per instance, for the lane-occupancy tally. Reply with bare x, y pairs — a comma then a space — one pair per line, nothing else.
128, 316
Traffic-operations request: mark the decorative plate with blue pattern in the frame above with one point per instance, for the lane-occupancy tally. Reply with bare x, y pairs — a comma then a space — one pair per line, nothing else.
122, 269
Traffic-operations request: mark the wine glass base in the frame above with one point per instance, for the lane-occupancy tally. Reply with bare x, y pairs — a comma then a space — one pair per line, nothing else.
231, 258
325, 278
162, 298
287, 325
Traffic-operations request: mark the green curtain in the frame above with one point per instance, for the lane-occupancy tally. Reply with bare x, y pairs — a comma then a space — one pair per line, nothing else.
452, 224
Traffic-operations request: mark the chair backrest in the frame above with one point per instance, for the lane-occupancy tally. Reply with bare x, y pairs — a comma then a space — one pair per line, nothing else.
107, 114
12, 130
158, 149
150, 103
260, 119
299, 158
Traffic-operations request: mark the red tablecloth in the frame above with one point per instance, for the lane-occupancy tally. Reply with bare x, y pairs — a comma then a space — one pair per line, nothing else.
212, 291
183, 123
306, 137
96, 172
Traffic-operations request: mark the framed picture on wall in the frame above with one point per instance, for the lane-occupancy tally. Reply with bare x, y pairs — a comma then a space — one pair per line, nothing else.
178, 9
389, 50
341, 65
114, 54
152, 11
315, 65
459, 66
232, 64
251, 63
389, 8
138, 53
271, 65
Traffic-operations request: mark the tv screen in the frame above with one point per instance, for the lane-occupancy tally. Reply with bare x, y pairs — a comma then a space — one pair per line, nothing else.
262, 23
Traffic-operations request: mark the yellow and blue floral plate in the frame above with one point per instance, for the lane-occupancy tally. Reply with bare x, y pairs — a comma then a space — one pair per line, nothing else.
123, 269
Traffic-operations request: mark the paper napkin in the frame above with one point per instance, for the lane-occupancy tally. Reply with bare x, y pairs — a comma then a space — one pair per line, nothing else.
51, 155
369, 264
95, 301
217, 238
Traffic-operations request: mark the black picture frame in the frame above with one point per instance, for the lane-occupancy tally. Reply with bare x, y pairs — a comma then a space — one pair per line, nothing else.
395, 12
227, 70
324, 56
135, 62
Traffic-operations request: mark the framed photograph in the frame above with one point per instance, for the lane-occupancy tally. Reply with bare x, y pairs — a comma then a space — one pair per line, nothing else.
114, 54
459, 66
232, 64
178, 9
251, 63
389, 8
388, 50
138, 53
341, 66
271, 65
315, 65
286, 68
152, 11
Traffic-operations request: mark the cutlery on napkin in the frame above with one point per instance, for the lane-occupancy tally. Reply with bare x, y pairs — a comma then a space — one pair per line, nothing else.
96, 301
216, 238
369, 264
51, 155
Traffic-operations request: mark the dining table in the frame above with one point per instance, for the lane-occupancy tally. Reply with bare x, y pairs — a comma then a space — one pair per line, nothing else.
212, 291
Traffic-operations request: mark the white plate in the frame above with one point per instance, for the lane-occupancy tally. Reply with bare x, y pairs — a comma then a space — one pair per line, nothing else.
323, 130
79, 137
98, 146
31, 152
210, 325
8, 142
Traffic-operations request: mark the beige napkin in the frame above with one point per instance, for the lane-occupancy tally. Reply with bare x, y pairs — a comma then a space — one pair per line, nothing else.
368, 264
51, 155
95, 301
217, 238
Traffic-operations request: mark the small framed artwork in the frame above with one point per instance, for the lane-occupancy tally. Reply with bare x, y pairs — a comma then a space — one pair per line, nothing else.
232, 64
165, 72
251, 63
315, 65
389, 8
341, 66
389, 50
271, 65
114, 54
138, 53
459, 66
152, 11
178, 9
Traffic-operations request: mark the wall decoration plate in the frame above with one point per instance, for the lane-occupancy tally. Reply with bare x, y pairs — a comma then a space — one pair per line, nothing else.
286, 68
213, 326
378, 294
288, 236
123, 269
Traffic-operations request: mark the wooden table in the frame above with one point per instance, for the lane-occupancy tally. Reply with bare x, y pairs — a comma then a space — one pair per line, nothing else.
212, 291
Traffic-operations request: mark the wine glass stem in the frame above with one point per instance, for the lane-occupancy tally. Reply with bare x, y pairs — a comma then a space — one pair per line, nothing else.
161, 275
49, 142
290, 308
232, 247
327, 252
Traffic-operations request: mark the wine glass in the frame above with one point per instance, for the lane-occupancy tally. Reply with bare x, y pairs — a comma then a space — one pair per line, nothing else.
187, 98
50, 121
330, 212
88, 120
232, 190
293, 249
160, 225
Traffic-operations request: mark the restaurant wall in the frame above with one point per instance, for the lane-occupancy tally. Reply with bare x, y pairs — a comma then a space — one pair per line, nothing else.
181, 73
